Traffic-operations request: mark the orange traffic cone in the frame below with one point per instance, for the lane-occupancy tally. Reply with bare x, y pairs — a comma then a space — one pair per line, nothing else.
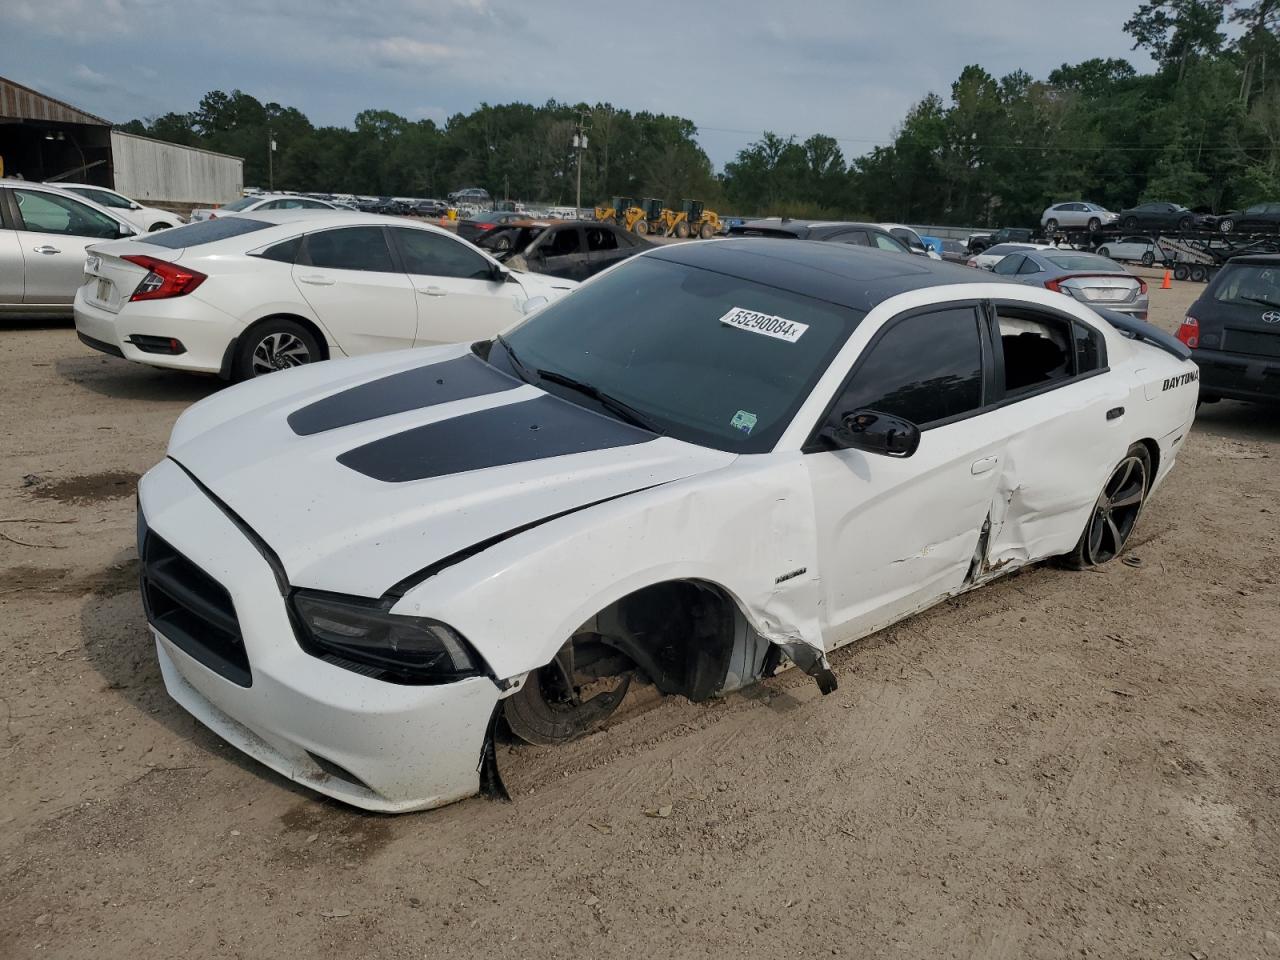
1168, 281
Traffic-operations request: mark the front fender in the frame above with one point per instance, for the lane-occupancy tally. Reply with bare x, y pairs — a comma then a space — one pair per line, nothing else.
747, 528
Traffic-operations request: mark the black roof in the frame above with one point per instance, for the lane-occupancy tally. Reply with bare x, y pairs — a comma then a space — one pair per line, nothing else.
851, 276
1258, 259
803, 229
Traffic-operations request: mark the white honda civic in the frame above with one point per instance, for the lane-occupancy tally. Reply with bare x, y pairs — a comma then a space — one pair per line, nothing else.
706, 463
251, 294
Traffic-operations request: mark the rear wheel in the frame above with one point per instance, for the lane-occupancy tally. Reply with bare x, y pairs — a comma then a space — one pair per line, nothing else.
682, 229
1180, 272
1130, 223
641, 227
276, 344
159, 226
706, 232
1198, 274
1104, 251
1185, 224
1115, 512
1227, 226
1148, 258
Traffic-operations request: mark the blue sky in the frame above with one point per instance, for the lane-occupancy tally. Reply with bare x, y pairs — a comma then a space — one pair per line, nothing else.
849, 69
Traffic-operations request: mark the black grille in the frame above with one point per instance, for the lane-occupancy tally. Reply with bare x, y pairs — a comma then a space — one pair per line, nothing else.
192, 610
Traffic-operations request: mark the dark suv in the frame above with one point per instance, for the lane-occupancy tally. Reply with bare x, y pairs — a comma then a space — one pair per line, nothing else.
1233, 331
981, 241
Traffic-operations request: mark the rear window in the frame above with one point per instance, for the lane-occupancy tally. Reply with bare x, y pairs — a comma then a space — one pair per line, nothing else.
244, 203
1250, 284
205, 231
1085, 262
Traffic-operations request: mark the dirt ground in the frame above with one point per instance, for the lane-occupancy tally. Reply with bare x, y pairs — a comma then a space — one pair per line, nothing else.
1056, 765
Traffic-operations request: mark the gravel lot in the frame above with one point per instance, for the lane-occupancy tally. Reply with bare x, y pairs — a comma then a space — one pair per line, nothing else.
1058, 764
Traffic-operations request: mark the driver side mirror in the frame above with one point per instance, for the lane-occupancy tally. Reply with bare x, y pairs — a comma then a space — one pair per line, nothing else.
875, 432
123, 230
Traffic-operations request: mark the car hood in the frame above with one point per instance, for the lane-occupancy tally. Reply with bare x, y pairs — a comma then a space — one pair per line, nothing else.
359, 473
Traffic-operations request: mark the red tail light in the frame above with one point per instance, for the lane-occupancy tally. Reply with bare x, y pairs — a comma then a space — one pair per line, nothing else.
164, 279
1053, 285
486, 226
1189, 332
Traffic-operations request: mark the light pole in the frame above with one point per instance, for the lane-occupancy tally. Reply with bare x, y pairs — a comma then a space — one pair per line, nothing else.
579, 145
271, 167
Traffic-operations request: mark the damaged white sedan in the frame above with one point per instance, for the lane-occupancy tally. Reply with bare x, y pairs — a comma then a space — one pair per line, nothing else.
707, 462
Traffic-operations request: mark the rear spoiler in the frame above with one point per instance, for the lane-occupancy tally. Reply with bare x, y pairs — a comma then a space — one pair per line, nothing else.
1136, 329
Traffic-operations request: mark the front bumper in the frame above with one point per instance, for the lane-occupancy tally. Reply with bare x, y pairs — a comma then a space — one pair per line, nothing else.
1238, 376
203, 331
372, 744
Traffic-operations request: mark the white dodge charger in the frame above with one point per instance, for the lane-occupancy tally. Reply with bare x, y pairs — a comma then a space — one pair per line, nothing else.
706, 463
247, 295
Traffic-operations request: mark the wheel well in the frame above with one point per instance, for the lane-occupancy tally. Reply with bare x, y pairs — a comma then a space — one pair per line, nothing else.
680, 633
315, 330
1153, 450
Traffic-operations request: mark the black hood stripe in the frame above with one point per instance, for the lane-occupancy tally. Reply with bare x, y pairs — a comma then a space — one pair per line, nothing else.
457, 379
513, 433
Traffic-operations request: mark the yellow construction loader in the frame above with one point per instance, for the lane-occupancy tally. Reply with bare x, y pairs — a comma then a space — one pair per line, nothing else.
624, 212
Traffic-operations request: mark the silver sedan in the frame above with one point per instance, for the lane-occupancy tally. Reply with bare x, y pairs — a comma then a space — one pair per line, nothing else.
1087, 277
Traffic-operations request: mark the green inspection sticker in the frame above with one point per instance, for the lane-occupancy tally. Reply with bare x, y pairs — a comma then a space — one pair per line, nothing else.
744, 421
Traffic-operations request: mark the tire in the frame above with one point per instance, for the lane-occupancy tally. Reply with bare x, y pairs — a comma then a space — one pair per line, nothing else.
1148, 258
1185, 224
1130, 224
641, 227
1104, 251
274, 344
1198, 274
548, 710
1094, 225
1226, 226
682, 230
1051, 226
1180, 272
158, 226
1115, 512
706, 232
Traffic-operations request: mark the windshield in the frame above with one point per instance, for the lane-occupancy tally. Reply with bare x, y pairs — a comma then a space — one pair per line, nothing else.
506, 242
705, 357
1085, 261
1249, 284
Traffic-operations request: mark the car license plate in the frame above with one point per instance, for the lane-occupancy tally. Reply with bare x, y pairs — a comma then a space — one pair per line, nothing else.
104, 289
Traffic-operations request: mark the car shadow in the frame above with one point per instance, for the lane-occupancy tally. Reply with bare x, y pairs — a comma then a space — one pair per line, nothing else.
125, 380
1240, 421
118, 645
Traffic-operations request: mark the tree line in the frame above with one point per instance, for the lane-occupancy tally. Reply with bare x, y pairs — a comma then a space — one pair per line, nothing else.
1203, 129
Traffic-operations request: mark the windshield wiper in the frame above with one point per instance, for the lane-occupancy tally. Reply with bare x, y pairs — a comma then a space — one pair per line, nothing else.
520, 369
1259, 300
619, 407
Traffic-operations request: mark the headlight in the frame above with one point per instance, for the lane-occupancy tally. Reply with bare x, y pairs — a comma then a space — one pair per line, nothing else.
407, 649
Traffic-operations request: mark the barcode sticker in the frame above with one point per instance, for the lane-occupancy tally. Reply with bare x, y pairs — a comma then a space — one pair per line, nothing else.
780, 328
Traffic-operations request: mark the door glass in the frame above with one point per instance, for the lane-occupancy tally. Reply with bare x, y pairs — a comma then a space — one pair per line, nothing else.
1028, 266
350, 248
599, 239
562, 243
429, 254
1037, 349
925, 368
1009, 265
886, 242
51, 213
857, 238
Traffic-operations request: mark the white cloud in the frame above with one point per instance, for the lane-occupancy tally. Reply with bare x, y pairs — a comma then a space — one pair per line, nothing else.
408, 52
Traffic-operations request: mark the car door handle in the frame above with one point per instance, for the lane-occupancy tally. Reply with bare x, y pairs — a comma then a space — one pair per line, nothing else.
317, 280
433, 291
45, 248
982, 466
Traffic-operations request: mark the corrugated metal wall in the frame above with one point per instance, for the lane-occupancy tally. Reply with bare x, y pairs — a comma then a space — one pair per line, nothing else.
169, 175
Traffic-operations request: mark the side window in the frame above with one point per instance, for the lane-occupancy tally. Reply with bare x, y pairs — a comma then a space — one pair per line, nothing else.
52, 213
1028, 266
599, 239
1090, 352
562, 243
1038, 349
310, 205
886, 242
429, 254
925, 368
286, 251
350, 248
856, 237
1009, 265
